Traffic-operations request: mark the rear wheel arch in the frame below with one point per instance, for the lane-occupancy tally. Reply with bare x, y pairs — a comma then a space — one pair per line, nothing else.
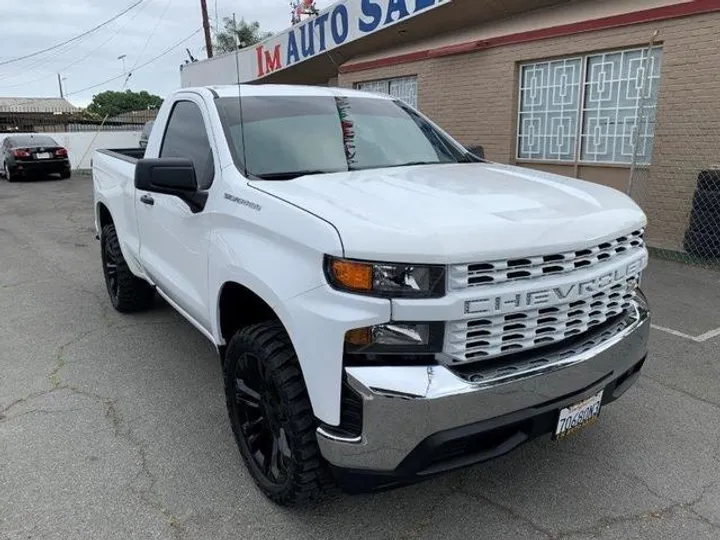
104, 216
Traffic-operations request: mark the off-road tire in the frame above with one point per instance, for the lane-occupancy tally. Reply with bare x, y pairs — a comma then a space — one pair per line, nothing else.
128, 293
307, 476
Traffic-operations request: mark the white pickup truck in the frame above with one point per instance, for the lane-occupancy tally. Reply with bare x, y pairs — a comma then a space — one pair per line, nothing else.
387, 305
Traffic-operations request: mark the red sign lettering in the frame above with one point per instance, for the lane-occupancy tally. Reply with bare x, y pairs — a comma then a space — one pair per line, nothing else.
268, 62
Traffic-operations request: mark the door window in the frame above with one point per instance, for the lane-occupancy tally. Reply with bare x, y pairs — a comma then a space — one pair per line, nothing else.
186, 137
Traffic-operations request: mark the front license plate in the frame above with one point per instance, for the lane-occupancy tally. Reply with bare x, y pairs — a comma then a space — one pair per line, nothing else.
578, 416
43, 155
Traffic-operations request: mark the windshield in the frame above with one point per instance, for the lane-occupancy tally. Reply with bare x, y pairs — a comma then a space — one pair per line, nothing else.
286, 136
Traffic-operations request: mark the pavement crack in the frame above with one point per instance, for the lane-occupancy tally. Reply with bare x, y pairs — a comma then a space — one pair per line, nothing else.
56, 382
681, 391
415, 530
622, 472
61, 360
26, 399
120, 427
150, 495
512, 512
691, 506
44, 412
606, 522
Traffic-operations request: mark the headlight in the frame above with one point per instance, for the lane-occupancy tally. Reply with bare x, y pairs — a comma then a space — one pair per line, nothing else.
389, 280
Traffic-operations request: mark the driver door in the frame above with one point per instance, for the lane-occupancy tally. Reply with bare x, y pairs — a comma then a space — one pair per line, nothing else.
174, 238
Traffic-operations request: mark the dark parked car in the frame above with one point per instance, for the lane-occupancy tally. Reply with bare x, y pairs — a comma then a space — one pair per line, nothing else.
33, 154
147, 128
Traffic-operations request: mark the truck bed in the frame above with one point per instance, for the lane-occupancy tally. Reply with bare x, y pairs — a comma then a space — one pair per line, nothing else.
128, 154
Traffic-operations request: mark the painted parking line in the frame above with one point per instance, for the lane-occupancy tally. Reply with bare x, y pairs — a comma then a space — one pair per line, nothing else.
697, 339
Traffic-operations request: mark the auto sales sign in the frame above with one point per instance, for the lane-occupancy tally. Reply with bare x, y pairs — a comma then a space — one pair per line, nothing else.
341, 23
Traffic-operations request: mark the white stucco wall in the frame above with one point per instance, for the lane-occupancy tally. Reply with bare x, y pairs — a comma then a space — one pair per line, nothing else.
80, 145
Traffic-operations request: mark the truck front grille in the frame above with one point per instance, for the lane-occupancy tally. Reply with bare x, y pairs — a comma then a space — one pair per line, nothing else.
493, 372
463, 276
495, 336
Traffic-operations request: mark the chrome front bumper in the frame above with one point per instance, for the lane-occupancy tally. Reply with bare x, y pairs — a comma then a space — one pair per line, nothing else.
405, 406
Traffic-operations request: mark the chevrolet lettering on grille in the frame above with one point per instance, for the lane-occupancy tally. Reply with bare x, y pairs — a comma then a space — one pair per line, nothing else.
550, 296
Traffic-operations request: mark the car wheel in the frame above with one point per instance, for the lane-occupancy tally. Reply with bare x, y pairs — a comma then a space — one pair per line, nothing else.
271, 416
127, 292
65, 175
8, 176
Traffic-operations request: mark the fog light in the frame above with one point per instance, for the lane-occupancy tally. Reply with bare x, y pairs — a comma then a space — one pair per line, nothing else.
396, 337
401, 334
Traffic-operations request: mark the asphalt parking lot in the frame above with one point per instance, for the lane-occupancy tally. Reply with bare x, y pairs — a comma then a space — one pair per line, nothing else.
114, 426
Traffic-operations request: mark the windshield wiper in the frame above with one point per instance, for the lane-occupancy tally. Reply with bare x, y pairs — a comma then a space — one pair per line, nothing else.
289, 175
413, 163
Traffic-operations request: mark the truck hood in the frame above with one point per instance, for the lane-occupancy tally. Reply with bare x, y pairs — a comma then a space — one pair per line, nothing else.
462, 212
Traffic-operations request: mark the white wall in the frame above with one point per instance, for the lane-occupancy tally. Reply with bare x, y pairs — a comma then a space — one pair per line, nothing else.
80, 145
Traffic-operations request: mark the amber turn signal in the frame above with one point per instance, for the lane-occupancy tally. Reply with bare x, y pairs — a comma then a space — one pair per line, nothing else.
358, 336
352, 275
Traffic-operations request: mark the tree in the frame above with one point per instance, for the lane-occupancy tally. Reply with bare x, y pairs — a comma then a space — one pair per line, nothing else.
247, 33
113, 103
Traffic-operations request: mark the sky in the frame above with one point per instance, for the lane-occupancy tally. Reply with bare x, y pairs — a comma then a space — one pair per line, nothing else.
143, 33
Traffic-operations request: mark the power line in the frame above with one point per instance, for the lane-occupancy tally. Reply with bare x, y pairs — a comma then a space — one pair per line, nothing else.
152, 33
75, 38
165, 52
17, 70
74, 62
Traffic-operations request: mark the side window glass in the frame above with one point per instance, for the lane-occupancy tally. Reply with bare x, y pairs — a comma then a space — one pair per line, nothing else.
186, 137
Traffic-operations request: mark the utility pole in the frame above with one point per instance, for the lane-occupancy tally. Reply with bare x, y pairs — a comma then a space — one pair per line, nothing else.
206, 27
62, 96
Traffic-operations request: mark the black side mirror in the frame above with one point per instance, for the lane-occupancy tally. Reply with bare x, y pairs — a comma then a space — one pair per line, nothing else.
165, 175
478, 151
171, 176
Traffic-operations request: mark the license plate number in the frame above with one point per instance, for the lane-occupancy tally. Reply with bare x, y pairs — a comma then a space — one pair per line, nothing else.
43, 155
578, 416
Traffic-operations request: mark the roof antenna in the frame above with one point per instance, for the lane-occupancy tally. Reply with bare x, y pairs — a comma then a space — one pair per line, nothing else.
237, 75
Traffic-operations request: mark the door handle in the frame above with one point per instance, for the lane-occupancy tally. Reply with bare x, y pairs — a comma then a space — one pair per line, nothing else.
147, 199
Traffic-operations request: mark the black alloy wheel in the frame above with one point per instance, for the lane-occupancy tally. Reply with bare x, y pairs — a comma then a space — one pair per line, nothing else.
127, 292
110, 269
271, 416
257, 411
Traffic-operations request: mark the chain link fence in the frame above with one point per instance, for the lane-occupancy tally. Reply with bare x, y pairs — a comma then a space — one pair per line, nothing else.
80, 133
680, 188
38, 121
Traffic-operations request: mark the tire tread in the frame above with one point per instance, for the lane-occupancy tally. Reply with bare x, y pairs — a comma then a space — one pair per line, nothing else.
134, 294
311, 475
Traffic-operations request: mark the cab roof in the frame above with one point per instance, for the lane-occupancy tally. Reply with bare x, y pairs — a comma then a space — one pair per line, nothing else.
231, 90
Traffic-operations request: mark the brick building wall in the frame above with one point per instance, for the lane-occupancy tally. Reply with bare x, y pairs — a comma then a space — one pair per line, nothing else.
474, 96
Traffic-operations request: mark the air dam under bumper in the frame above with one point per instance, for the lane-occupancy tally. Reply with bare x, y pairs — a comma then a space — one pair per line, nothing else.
420, 421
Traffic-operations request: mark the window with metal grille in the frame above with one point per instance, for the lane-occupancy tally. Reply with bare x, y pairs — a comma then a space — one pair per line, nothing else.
404, 88
599, 108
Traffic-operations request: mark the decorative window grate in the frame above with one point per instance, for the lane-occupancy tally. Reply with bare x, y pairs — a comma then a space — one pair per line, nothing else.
404, 88
587, 108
